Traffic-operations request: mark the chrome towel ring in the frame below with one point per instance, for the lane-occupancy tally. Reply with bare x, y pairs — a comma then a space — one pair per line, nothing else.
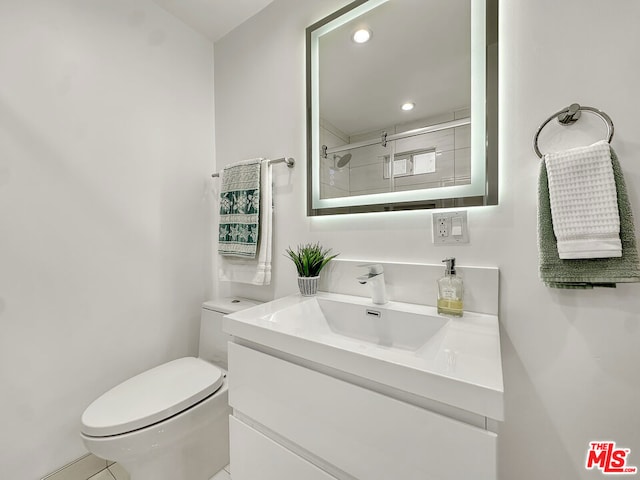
570, 115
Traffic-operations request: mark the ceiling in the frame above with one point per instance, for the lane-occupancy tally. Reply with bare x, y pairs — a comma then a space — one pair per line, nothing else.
419, 52
213, 18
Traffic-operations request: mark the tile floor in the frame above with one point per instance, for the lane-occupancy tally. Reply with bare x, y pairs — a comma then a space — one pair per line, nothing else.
103, 475
84, 469
116, 472
222, 475
112, 472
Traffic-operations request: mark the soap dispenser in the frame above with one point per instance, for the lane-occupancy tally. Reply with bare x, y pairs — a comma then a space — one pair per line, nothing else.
450, 290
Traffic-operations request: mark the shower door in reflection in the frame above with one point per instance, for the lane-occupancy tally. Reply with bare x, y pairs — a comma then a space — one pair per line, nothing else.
418, 161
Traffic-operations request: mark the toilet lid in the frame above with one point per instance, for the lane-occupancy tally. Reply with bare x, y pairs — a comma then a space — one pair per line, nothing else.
152, 396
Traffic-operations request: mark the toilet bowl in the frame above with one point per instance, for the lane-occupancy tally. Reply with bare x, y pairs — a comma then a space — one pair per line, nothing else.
172, 421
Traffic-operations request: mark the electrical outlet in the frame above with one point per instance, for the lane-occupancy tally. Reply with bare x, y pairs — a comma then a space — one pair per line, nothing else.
450, 228
442, 227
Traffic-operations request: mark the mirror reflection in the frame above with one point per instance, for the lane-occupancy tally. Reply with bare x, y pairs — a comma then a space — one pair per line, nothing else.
396, 95
396, 68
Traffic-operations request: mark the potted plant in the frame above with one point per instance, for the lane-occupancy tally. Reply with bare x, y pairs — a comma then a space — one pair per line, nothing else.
309, 260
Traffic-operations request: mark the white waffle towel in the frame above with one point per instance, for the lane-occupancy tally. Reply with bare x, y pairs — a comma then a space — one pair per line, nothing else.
584, 204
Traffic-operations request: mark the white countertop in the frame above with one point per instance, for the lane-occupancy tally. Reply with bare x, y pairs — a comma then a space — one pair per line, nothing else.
460, 365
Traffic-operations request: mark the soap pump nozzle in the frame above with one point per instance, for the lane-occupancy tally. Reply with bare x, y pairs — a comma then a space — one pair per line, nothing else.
451, 265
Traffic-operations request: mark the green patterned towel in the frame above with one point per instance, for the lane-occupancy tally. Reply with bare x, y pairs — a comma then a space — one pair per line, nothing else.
593, 272
240, 209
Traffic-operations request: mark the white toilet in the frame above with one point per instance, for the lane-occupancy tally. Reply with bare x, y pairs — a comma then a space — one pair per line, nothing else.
170, 422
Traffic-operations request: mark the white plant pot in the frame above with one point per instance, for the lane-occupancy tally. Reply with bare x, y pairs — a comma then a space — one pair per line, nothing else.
308, 286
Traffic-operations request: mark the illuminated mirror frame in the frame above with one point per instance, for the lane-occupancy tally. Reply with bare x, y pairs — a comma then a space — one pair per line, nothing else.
483, 189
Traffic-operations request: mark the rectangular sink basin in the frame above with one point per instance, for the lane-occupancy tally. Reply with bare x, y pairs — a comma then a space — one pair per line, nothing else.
375, 324
408, 347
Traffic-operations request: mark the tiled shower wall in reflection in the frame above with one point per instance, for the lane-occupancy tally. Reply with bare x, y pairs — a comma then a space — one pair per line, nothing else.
364, 174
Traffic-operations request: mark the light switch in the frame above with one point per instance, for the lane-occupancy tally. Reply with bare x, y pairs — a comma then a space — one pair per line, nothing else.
456, 226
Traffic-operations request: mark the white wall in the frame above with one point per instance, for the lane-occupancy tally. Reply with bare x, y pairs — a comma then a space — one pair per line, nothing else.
570, 358
106, 140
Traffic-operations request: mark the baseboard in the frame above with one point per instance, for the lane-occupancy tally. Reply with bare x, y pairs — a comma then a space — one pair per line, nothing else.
80, 469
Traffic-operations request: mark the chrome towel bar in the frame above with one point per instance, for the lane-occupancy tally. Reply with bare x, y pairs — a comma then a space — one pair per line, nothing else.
288, 160
570, 115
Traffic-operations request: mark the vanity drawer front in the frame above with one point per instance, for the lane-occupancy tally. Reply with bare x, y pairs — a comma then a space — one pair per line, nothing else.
254, 456
363, 433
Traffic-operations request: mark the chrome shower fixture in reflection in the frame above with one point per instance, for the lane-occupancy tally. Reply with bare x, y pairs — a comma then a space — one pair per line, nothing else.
342, 160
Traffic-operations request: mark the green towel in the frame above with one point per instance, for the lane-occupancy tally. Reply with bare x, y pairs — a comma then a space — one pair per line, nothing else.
240, 209
587, 273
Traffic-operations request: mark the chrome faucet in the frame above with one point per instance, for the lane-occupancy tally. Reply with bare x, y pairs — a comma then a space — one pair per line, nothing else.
375, 280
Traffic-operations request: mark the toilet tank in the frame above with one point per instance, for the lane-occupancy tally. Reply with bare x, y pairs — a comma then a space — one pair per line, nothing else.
213, 341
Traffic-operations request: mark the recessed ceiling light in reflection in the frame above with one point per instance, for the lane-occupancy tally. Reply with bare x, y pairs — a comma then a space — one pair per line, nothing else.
408, 106
362, 36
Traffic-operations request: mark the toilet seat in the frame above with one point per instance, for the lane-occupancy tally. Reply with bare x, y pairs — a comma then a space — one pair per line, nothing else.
151, 397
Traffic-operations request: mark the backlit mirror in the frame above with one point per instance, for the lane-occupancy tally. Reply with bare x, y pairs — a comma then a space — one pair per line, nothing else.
402, 106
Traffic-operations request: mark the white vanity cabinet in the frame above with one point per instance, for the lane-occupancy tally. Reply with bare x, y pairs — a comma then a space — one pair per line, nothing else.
293, 422
258, 457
